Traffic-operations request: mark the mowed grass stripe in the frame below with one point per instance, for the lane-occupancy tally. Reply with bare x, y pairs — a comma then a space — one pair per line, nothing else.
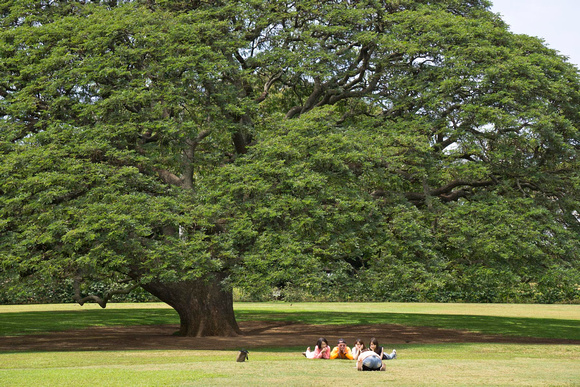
417, 365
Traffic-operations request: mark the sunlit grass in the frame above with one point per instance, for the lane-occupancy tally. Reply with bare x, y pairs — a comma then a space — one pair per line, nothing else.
559, 311
433, 365
499, 310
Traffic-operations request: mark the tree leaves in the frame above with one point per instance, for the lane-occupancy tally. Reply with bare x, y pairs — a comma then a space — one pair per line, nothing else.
309, 144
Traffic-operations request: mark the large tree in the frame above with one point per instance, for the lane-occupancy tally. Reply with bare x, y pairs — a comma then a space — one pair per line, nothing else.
188, 147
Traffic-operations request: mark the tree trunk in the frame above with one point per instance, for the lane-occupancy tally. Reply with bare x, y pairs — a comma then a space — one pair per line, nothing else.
204, 307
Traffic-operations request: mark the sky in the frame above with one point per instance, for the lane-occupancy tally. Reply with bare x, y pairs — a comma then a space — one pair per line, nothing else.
555, 21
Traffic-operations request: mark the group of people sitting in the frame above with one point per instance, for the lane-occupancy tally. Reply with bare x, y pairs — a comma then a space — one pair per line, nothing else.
367, 359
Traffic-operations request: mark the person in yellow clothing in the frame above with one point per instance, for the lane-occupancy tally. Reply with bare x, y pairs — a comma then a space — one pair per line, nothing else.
341, 351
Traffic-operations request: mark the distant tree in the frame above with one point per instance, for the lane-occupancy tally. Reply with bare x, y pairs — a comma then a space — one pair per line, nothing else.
188, 147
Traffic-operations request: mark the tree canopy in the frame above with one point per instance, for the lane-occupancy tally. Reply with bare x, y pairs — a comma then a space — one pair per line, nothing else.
376, 150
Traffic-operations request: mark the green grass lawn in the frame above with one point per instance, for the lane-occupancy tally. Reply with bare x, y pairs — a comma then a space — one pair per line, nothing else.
432, 365
417, 364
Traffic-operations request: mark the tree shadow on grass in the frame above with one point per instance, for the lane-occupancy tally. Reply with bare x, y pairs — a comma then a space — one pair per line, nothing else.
26, 323
508, 326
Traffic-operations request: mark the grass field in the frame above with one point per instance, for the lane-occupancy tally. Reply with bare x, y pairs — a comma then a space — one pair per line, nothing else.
417, 364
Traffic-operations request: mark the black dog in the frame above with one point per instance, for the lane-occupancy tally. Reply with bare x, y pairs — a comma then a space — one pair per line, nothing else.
242, 356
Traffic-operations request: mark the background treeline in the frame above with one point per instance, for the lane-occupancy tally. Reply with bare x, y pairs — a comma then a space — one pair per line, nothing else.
476, 284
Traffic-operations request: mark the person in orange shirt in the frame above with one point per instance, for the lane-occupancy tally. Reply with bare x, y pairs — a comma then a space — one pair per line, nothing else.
341, 351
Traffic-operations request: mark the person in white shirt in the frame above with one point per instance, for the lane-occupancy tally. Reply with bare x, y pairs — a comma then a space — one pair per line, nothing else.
370, 361
358, 348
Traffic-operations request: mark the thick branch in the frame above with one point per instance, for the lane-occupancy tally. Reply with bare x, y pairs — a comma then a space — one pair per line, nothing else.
311, 101
189, 156
321, 94
165, 175
169, 177
148, 137
354, 94
442, 191
102, 301
267, 87
446, 193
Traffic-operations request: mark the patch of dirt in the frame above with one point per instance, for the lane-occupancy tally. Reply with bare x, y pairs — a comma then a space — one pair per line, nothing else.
256, 334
